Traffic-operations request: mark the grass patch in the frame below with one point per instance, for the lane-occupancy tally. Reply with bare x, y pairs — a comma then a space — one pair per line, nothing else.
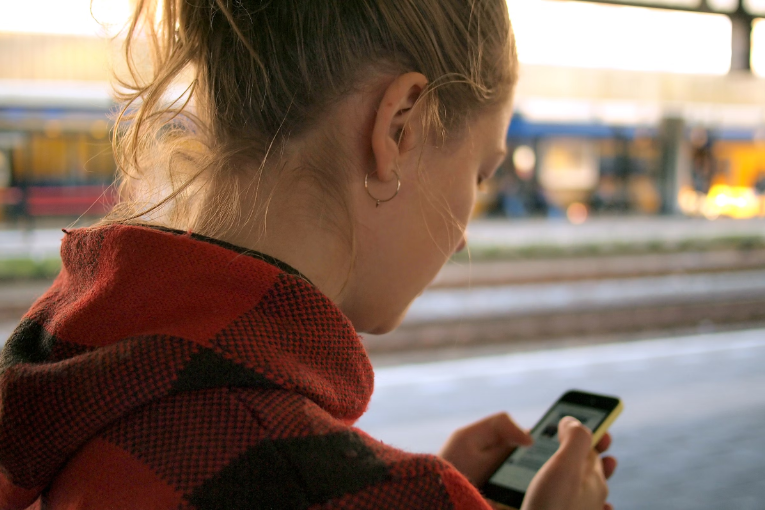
29, 269
497, 253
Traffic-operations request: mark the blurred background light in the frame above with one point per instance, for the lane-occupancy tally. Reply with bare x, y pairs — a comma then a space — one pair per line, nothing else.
561, 33
524, 161
758, 47
682, 4
723, 5
755, 7
577, 213
63, 17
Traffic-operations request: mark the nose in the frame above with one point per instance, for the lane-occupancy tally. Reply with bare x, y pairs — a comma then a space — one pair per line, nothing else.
461, 246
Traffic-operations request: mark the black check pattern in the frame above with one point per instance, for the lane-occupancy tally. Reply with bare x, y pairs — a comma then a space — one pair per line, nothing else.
257, 412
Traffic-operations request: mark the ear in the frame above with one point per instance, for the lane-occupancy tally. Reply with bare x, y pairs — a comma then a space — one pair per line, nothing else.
393, 114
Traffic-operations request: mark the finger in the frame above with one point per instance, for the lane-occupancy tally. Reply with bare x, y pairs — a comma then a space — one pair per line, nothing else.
604, 443
508, 432
496, 430
599, 470
575, 439
609, 466
596, 463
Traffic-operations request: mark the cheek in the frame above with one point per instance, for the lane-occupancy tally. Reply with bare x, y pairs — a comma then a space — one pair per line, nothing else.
467, 202
446, 218
409, 248
462, 198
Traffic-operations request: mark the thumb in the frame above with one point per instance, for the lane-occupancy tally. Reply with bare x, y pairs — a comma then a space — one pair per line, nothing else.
575, 439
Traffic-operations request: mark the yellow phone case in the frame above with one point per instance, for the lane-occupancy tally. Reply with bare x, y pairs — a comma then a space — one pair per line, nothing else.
601, 431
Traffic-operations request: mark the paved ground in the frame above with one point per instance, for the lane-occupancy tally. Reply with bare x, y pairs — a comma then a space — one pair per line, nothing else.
691, 436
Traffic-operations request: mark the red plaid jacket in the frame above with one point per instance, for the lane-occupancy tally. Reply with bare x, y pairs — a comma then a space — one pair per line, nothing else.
166, 370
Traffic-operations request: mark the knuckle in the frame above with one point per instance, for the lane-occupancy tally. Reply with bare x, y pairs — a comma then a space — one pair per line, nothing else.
603, 493
601, 488
502, 419
580, 432
459, 433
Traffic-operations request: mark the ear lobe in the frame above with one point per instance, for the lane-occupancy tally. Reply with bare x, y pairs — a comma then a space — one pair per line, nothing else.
391, 134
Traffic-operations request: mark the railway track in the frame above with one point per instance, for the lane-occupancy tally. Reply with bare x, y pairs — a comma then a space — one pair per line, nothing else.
506, 272
492, 303
521, 301
642, 319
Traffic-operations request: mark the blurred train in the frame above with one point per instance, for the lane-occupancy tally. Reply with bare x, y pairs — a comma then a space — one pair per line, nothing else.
55, 153
56, 160
576, 170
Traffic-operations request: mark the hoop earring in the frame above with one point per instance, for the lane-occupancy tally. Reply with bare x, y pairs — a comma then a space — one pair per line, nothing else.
382, 200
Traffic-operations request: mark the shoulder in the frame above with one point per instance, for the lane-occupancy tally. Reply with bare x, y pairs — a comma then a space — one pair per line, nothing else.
318, 462
251, 449
414, 481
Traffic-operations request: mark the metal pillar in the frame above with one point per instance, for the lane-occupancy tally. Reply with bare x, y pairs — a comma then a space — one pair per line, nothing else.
672, 136
741, 43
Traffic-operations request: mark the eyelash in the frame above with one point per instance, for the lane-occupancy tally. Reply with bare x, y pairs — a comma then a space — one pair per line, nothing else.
482, 178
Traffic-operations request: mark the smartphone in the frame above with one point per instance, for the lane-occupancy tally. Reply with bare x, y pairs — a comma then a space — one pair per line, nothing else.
508, 485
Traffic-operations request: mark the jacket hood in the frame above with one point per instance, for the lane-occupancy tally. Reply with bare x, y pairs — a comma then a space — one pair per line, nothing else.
139, 313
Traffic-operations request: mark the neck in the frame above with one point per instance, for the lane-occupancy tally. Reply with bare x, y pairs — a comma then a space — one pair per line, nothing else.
297, 229
299, 216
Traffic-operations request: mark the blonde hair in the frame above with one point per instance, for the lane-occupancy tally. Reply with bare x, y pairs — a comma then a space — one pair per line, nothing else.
258, 72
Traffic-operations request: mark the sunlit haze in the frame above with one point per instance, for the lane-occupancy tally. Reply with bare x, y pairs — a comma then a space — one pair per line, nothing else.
62, 17
549, 32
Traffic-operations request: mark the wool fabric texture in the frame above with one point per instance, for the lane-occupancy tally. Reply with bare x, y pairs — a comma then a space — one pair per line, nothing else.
166, 370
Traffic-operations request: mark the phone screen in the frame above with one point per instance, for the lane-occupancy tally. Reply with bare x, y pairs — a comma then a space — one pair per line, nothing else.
521, 466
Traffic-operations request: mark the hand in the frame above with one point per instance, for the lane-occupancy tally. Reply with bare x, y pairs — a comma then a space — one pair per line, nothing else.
574, 478
478, 449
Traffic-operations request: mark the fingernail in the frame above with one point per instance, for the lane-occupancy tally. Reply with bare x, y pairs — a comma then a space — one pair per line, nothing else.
568, 421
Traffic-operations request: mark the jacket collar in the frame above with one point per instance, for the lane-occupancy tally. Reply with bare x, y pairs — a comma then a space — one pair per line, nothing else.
139, 313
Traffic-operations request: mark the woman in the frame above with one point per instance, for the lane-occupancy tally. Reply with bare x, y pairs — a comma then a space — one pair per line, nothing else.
199, 348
